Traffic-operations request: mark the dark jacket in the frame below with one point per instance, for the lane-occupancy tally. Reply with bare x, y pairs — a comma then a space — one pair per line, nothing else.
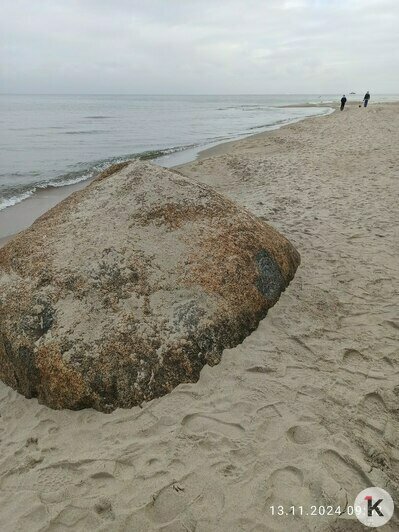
343, 99
366, 96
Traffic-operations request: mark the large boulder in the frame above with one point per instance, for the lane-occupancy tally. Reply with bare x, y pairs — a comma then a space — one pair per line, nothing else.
130, 286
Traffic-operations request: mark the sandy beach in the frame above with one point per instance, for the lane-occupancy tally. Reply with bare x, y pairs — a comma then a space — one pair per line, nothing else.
303, 413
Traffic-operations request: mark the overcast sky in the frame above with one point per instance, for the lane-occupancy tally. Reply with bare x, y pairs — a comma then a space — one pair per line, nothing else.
199, 46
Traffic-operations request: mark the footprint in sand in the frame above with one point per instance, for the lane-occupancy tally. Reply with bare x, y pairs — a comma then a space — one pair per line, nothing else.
202, 423
391, 324
54, 478
185, 525
269, 431
347, 474
30, 446
72, 518
100, 470
285, 487
103, 508
373, 412
270, 422
277, 487
355, 362
303, 434
46, 425
286, 478
190, 497
354, 358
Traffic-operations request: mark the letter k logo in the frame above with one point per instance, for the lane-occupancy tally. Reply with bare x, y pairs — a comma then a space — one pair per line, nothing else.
373, 507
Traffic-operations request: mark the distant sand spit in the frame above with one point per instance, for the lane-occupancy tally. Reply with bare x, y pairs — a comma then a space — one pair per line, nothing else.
303, 413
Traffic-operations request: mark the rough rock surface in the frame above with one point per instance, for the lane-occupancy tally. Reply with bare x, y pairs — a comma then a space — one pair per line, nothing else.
130, 286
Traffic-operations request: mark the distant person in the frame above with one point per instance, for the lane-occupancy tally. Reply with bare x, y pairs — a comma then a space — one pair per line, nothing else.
366, 99
343, 102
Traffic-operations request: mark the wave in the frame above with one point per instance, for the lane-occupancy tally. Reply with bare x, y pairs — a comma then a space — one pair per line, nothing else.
16, 195
254, 107
13, 200
322, 111
318, 102
275, 123
87, 132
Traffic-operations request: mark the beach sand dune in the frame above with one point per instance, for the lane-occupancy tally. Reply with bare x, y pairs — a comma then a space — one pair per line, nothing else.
303, 413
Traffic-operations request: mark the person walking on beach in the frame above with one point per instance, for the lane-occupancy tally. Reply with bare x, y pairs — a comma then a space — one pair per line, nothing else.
366, 99
343, 102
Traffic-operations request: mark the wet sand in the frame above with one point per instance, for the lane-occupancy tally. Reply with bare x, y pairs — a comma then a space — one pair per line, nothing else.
20, 216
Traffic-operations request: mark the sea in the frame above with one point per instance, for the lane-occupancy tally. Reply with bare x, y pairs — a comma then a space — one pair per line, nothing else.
58, 140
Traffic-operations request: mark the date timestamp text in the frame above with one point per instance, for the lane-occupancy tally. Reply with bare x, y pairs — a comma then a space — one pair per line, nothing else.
280, 510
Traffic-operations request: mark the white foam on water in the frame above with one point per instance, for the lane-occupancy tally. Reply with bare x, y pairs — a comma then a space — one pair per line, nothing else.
13, 200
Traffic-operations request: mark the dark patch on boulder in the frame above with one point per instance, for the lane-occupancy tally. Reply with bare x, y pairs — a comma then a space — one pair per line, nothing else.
187, 316
270, 281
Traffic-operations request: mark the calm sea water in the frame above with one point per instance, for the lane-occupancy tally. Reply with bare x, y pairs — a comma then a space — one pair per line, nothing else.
58, 140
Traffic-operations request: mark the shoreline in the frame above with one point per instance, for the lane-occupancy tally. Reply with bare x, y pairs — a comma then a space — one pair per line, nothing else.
226, 147
20, 216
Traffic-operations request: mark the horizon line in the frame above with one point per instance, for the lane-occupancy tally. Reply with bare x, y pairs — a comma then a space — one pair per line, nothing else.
184, 94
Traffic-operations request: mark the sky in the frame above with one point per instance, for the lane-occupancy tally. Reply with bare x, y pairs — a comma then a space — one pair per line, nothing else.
199, 46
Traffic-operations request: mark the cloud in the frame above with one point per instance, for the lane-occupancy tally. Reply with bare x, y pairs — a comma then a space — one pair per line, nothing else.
199, 46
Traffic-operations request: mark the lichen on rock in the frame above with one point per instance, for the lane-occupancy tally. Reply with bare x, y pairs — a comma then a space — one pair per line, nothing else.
129, 287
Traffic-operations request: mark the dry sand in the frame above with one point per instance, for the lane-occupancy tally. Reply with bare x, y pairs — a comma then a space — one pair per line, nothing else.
304, 412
